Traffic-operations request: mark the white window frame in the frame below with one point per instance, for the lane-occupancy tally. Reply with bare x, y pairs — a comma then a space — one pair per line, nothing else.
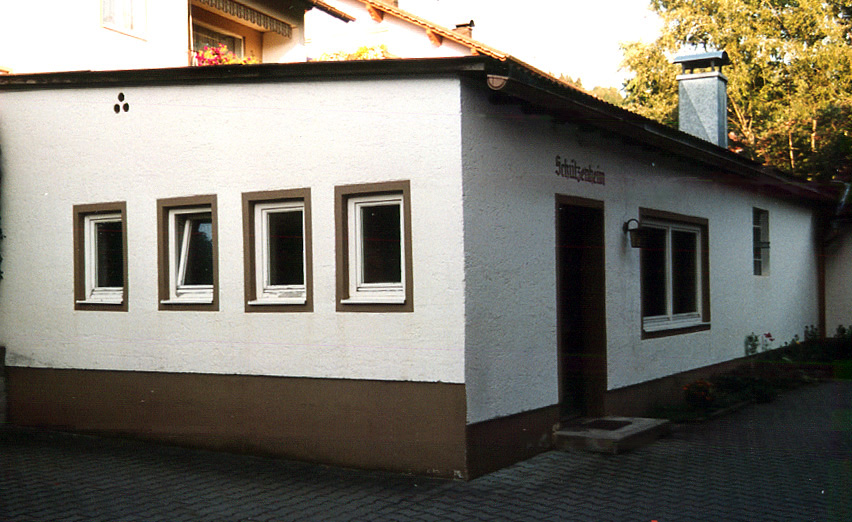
97, 294
359, 291
670, 320
130, 16
763, 231
268, 294
178, 249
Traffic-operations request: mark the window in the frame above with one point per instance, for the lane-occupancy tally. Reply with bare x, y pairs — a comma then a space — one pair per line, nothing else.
100, 257
188, 258
674, 276
374, 247
126, 16
760, 241
277, 244
206, 36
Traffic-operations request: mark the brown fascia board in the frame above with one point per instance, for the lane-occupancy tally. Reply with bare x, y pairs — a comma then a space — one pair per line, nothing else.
333, 11
508, 77
247, 73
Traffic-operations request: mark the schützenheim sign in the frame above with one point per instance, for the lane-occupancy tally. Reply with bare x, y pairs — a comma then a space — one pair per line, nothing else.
571, 170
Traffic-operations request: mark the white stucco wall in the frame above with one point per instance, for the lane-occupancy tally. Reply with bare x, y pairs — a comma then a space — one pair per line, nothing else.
325, 34
510, 187
66, 147
68, 36
838, 286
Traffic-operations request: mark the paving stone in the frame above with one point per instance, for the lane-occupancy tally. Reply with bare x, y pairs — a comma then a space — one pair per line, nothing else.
787, 460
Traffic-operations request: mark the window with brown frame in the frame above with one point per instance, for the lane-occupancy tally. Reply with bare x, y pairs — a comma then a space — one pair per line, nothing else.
674, 274
374, 253
100, 256
188, 253
277, 249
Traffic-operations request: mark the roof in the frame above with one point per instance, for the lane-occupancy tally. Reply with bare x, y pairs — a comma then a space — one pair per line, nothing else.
475, 46
337, 13
509, 80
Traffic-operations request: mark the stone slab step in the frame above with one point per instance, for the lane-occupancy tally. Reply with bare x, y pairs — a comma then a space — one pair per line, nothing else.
609, 434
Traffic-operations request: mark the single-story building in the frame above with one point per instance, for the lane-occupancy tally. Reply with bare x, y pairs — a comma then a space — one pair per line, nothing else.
413, 265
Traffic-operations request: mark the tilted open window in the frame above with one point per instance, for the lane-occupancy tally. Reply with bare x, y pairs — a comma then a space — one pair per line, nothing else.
187, 241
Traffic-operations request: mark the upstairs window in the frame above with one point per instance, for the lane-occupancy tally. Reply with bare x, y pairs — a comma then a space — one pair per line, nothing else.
100, 265
205, 36
188, 253
374, 246
277, 248
760, 241
126, 16
674, 282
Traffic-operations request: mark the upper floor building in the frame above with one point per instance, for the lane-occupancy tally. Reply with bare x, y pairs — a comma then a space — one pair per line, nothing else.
141, 34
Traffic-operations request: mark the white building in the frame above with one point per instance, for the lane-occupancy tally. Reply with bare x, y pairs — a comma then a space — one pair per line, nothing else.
454, 274
142, 34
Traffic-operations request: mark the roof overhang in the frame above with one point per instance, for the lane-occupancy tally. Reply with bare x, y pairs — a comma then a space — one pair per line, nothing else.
510, 81
330, 10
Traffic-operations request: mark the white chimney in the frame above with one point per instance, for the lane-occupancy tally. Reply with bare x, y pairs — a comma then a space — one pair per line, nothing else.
703, 97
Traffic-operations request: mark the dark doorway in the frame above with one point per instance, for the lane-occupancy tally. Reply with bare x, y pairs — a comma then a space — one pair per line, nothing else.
581, 312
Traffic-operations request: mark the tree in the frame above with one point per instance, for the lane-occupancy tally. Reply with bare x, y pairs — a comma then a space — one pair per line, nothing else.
607, 94
789, 86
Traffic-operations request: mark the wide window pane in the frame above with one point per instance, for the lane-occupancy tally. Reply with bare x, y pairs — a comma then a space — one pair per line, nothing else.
110, 254
204, 36
286, 248
684, 272
381, 244
199, 252
653, 267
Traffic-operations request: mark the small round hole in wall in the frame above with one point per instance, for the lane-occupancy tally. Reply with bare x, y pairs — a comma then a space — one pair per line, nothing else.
121, 96
116, 108
126, 107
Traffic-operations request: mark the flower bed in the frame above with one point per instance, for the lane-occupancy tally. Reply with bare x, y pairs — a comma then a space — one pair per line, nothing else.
764, 374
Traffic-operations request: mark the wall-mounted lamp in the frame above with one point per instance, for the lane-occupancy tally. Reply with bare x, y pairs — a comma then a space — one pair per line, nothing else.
634, 231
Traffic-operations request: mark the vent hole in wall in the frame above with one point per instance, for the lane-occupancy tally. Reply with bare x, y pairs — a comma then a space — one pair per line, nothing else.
118, 107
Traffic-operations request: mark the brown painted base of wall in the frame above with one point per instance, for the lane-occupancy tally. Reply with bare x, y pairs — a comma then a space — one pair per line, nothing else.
397, 426
638, 400
497, 443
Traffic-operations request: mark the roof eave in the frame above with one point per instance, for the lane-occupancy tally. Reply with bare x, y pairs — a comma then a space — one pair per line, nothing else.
567, 103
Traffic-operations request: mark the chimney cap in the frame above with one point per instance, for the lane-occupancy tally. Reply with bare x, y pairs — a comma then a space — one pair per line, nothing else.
712, 60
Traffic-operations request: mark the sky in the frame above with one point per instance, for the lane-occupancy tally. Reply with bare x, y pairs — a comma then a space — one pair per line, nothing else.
571, 37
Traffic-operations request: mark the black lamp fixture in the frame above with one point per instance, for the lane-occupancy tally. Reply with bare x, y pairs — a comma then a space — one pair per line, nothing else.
633, 228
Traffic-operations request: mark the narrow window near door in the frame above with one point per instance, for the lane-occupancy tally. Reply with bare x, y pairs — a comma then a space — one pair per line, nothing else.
100, 248
374, 254
674, 275
760, 241
188, 253
276, 227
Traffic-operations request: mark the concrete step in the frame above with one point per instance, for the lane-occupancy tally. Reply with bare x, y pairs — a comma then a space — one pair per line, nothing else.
609, 434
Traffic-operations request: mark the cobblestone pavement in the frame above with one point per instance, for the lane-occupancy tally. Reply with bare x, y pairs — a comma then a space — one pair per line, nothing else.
789, 460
